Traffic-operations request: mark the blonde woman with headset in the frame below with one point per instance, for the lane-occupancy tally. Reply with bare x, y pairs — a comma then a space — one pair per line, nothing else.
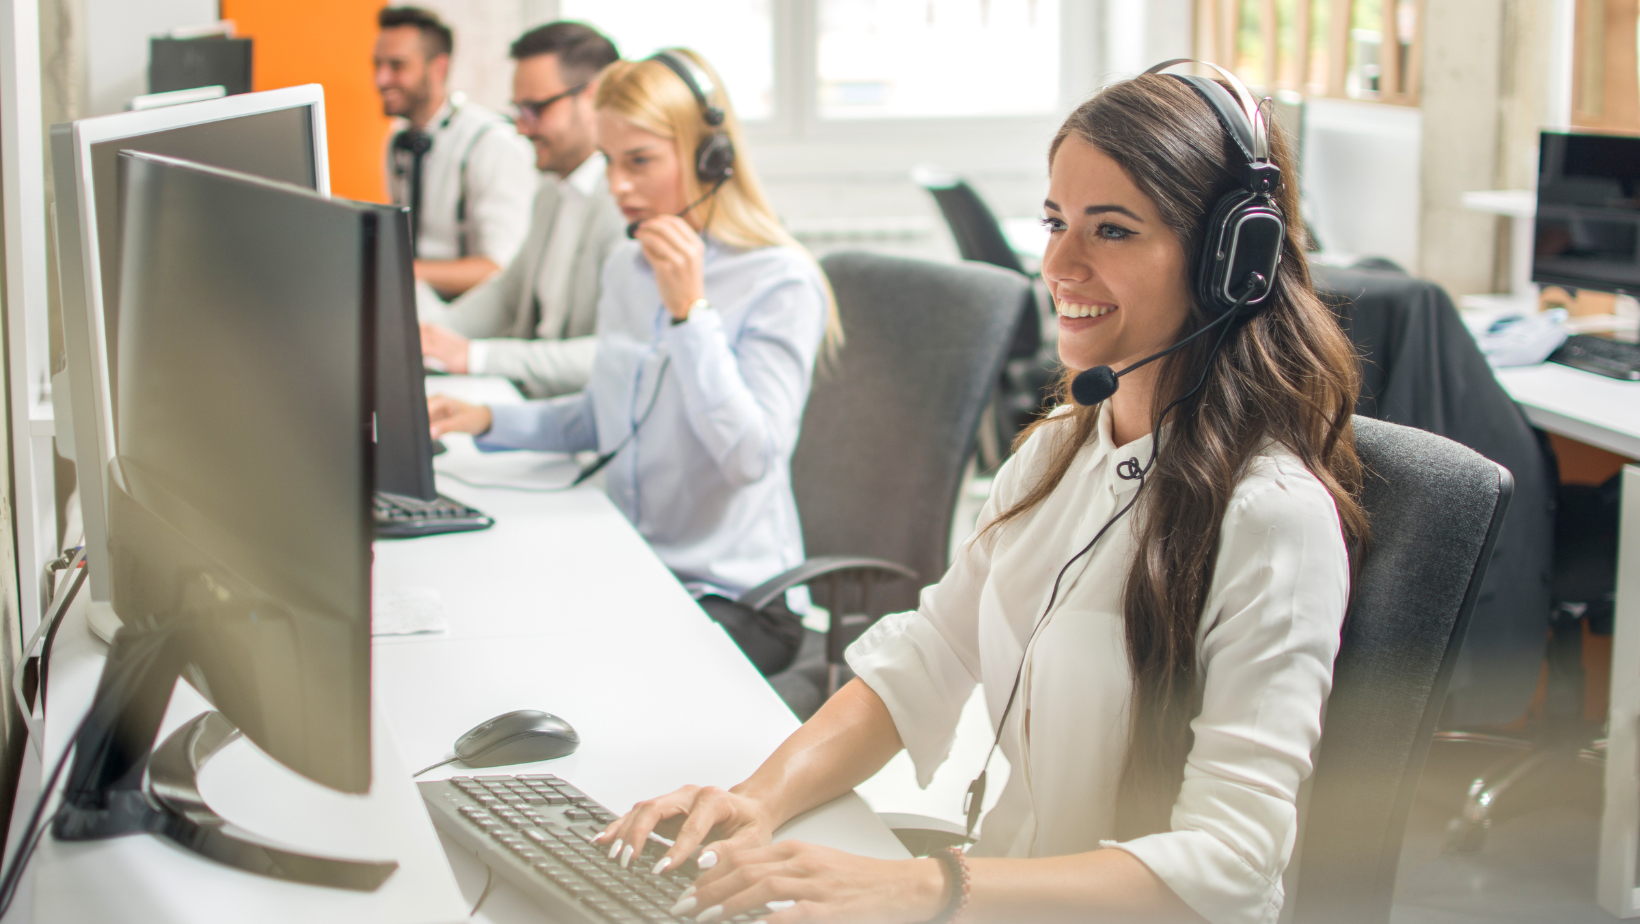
709, 324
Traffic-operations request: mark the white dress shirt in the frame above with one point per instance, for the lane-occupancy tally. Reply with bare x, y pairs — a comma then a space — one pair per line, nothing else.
481, 149
552, 281
1266, 644
707, 478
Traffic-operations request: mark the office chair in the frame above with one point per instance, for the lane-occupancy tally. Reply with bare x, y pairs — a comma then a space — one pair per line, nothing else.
1421, 368
1436, 509
887, 433
1025, 388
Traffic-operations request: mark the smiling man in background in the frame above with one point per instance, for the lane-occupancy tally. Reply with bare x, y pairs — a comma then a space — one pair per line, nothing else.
460, 168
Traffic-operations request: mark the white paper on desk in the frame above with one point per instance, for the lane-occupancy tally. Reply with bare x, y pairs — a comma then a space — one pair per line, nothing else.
407, 611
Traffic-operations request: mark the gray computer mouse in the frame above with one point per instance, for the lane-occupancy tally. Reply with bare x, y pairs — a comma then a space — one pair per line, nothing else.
518, 737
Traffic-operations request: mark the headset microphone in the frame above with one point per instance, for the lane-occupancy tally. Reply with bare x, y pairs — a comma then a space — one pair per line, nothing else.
632, 229
1092, 386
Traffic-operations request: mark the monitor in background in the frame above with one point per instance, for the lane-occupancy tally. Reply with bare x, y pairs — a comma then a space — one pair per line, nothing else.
239, 505
1588, 212
408, 503
211, 60
278, 134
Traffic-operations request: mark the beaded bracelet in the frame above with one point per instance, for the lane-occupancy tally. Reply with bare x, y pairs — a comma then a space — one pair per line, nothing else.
955, 864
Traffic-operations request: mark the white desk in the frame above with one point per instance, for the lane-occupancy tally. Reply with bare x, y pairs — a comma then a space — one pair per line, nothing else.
561, 607
1605, 412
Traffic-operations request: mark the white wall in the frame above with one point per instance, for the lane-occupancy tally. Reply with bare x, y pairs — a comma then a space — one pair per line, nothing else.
1361, 178
116, 44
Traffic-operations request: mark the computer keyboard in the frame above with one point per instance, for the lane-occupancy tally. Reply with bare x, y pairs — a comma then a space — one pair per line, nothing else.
1612, 358
400, 517
536, 831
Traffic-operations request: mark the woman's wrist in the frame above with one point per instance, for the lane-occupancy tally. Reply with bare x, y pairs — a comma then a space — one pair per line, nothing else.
930, 892
680, 308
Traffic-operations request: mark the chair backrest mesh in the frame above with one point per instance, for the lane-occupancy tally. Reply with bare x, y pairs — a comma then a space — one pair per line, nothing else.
890, 422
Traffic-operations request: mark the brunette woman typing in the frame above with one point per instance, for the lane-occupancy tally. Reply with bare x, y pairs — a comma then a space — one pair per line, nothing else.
1154, 598
709, 323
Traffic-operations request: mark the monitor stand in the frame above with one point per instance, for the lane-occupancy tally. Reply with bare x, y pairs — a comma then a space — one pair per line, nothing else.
114, 749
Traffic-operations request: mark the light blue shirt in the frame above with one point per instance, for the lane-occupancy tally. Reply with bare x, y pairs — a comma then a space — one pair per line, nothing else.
707, 478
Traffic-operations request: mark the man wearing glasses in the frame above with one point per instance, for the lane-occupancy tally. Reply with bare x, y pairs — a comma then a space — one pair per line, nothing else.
459, 167
534, 323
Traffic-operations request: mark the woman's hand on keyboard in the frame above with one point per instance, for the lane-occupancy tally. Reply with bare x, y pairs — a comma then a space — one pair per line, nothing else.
447, 415
700, 815
801, 883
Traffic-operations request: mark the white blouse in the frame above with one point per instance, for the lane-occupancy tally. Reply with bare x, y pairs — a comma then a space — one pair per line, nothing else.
1268, 637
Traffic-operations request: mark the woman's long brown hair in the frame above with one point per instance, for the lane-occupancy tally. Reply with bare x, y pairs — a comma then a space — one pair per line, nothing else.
1287, 375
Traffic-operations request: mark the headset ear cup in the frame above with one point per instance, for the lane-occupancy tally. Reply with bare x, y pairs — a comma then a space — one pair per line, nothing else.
1244, 234
715, 158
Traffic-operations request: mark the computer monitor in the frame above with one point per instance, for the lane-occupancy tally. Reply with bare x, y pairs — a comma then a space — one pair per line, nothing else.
240, 500
404, 446
278, 134
1588, 212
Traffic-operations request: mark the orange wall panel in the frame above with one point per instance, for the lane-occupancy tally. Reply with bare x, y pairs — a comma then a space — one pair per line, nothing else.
325, 42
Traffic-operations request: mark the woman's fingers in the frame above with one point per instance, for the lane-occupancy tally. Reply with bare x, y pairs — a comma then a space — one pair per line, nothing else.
712, 807
447, 415
628, 835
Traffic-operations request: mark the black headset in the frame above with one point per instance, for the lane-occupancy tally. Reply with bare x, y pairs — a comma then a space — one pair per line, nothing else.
1245, 231
715, 157
1244, 234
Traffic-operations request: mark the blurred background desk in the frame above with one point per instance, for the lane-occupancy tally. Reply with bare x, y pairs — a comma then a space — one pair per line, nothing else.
1605, 412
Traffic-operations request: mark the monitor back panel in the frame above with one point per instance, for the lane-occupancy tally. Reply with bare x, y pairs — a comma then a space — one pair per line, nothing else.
245, 424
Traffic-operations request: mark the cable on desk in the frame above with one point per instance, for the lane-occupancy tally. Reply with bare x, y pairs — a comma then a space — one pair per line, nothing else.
35, 829
489, 880
447, 760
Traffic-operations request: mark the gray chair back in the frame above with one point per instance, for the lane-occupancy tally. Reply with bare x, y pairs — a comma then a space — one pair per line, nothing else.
1435, 509
890, 423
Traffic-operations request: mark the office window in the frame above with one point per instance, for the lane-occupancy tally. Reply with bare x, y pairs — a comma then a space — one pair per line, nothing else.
1317, 47
1605, 92
737, 37
895, 59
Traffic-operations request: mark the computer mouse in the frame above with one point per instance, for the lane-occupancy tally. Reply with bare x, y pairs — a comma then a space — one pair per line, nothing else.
518, 737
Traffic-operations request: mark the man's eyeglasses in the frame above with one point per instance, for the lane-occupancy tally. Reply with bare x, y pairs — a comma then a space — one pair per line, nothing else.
528, 110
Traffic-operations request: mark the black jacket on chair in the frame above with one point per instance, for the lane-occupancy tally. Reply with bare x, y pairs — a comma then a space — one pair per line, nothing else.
1421, 368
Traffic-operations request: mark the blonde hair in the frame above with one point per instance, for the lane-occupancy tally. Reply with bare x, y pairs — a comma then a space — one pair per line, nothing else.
649, 95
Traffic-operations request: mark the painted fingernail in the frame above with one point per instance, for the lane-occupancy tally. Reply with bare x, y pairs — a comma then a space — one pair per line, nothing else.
709, 915
706, 860
614, 849
661, 866
685, 905
687, 892
626, 856
780, 904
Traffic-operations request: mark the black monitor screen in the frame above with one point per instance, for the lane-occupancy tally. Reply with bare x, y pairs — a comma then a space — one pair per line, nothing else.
245, 450
277, 145
1588, 212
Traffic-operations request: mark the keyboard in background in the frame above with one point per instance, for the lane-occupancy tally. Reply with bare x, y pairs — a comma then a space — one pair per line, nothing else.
535, 830
1612, 358
400, 517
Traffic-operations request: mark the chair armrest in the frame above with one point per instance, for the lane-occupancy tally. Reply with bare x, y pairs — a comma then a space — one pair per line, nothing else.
763, 594
925, 835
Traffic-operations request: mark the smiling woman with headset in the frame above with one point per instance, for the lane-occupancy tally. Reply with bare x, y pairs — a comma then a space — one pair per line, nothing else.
709, 323
1154, 597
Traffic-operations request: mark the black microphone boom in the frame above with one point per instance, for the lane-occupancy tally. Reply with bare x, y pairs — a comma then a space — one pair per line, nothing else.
632, 229
1092, 386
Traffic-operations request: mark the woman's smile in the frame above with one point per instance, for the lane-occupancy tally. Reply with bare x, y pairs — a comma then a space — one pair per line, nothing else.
1076, 316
